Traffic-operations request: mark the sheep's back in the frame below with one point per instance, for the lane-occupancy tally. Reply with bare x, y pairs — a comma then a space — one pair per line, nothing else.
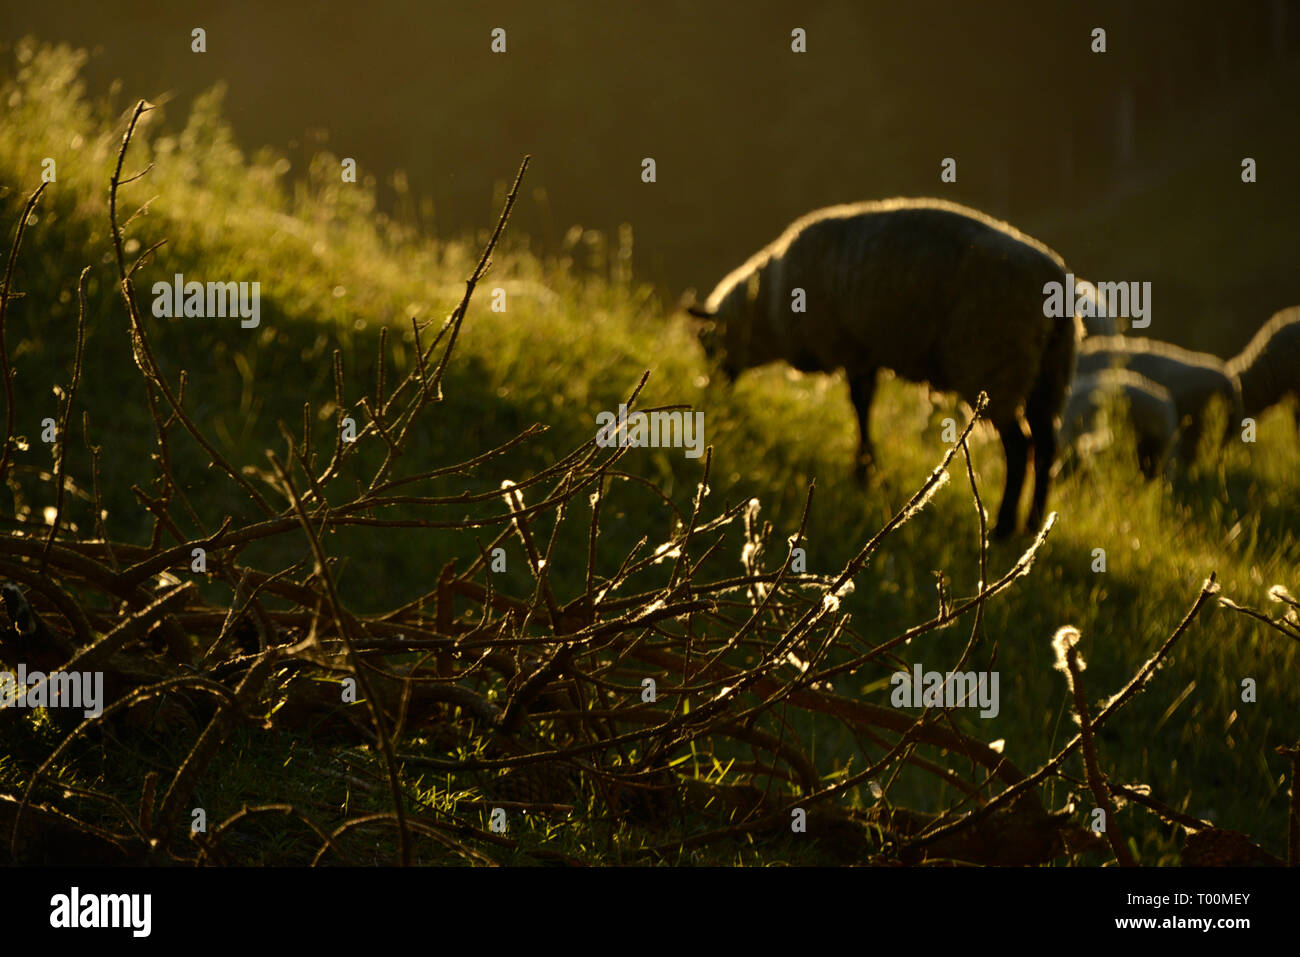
1192, 378
1268, 368
927, 290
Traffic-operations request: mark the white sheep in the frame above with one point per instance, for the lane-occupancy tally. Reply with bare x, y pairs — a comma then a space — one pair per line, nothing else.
1268, 369
1192, 378
934, 291
1147, 406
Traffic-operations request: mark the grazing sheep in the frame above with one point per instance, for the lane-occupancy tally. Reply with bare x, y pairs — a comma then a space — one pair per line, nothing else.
936, 292
1149, 408
1192, 378
1268, 369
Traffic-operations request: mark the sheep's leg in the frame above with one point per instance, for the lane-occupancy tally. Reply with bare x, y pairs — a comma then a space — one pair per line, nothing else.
1191, 439
1155, 456
1230, 429
1043, 433
1232, 422
862, 389
1015, 445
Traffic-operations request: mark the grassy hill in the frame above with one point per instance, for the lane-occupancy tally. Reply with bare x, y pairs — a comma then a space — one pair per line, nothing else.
577, 332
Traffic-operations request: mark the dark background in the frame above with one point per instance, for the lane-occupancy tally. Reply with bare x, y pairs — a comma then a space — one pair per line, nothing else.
1128, 162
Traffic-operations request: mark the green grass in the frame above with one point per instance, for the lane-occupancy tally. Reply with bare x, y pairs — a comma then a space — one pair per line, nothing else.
576, 335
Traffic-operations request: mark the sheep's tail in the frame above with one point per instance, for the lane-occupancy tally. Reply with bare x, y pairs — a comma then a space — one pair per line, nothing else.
1056, 370
1043, 408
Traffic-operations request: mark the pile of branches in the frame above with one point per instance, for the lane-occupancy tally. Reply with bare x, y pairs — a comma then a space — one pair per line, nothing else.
663, 695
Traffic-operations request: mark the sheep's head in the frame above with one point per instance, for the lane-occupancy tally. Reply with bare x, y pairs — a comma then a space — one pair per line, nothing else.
713, 338
713, 333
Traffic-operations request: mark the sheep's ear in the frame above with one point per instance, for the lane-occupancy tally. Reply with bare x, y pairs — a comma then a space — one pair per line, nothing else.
692, 305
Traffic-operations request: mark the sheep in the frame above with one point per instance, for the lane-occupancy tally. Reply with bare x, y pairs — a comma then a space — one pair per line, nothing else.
936, 292
1149, 408
1268, 369
1192, 378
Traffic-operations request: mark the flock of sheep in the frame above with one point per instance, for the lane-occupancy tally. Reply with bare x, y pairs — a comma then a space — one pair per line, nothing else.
1168, 390
943, 294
